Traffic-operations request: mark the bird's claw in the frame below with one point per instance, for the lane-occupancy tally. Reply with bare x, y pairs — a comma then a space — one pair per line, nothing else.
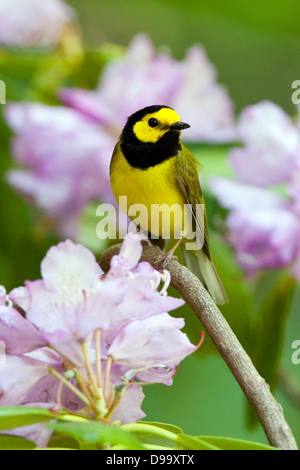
164, 260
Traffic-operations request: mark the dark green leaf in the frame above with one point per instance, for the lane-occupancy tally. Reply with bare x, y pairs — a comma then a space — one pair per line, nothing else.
8, 442
59, 441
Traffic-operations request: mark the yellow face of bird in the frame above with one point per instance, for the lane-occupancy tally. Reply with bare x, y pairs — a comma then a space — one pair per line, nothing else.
154, 125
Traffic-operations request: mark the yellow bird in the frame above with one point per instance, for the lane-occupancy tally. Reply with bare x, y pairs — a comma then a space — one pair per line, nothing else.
158, 176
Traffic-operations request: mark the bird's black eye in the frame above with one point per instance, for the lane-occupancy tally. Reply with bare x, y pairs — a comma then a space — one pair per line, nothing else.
153, 122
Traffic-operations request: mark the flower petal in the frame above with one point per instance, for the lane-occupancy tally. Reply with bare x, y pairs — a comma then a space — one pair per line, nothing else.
272, 145
30, 23
150, 342
18, 376
239, 196
261, 241
19, 335
70, 268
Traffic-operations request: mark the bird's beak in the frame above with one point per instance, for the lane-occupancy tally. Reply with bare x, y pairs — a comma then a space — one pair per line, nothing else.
177, 126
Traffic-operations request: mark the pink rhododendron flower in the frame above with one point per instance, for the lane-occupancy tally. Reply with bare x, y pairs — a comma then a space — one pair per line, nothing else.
19, 335
261, 242
18, 376
79, 324
264, 227
64, 161
32, 22
271, 146
143, 78
148, 342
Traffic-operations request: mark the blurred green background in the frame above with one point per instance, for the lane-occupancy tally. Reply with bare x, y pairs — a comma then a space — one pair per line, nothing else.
254, 46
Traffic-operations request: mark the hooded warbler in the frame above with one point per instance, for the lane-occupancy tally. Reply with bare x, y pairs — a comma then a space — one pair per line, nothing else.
154, 170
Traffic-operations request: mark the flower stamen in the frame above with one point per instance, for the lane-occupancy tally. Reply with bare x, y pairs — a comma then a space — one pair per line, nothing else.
107, 374
98, 357
90, 371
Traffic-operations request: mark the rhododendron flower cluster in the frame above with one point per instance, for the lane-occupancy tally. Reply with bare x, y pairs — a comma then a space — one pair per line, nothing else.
28, 23
84, 341
263, 202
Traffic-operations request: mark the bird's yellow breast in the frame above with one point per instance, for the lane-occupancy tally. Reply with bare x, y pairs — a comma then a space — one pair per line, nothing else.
155, 189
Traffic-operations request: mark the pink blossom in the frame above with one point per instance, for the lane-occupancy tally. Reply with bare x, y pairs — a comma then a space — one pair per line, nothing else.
238, 196
19, 335
263, 224
71, 300
33, 23
143, 77
204, 103
261, 242
20, 297
64, 161
130, 411
154, 341
271, 146
76, 317
18, 376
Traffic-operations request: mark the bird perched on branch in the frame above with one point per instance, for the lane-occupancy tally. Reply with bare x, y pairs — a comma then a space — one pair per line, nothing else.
159, 177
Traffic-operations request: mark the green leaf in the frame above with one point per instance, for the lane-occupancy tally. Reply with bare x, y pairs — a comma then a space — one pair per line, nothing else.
186, 442
166, 435
148, 435
168, 427
227, 443
17, 416
8, 442
59, 441
90, 433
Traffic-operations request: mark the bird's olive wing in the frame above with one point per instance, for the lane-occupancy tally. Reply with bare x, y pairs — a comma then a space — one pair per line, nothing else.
189, 185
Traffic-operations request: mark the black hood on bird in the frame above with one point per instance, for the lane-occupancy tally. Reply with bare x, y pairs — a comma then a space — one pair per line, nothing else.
143, 155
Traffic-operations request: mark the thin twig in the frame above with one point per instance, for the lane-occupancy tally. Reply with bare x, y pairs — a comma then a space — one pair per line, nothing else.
255, 388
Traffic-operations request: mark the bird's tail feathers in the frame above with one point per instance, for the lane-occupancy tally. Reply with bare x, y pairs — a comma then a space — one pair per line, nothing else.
199, 264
